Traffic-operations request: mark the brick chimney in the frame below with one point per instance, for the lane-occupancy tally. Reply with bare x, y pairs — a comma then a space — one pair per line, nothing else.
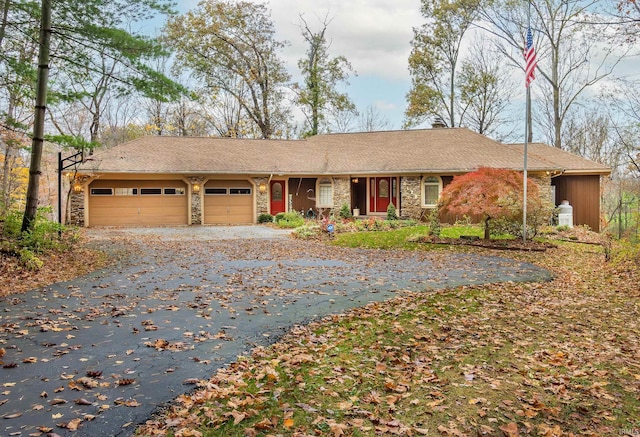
438, 123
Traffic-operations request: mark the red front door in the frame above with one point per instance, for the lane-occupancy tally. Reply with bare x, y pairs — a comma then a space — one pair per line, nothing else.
278, 194
381, 194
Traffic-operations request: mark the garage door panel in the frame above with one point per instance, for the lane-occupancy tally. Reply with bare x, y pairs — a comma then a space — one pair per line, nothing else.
228, 208
137, 209
240, 216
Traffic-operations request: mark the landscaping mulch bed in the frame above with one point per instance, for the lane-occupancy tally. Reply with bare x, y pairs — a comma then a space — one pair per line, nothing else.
532, 246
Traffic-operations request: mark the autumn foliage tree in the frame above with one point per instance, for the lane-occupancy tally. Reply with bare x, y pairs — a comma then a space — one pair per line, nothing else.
492, 194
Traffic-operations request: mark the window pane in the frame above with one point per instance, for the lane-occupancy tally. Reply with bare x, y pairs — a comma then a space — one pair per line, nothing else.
325, 195
218, 191
174, 191
276, 191
126, 191
383, 188
431, 194
102, 191
148, 191
243, 191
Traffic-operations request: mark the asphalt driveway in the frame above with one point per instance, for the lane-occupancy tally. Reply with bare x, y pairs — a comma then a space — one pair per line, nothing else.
98, 355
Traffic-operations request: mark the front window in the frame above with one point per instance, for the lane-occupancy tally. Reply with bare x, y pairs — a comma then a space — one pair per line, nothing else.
325, 193
432, 187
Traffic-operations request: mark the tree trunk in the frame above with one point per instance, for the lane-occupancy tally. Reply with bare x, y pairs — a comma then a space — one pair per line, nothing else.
6, 171
31, 207
487, 234
5, 15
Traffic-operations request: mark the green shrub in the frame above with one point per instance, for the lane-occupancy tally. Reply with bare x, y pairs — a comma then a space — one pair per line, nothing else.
44, 235
279, 217
290, 220
12, 224
345, 212
308, 231
30, 260
435, 227
265, 218
392, 214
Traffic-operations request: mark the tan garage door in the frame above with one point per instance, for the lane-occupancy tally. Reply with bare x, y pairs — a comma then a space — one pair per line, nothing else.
137, 203
228, 202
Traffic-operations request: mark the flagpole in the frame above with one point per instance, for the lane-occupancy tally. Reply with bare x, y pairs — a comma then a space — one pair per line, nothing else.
526, 125
526, 141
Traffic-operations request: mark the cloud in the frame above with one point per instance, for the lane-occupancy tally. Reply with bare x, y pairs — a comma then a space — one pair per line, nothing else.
374, 36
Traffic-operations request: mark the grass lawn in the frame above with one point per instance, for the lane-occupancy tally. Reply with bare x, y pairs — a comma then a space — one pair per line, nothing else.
401, 238
552, 359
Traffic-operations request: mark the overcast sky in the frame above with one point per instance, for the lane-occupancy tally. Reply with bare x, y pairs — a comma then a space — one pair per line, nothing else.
374, 35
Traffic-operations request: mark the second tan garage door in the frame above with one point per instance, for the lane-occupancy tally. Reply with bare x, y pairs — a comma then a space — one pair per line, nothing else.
137, 203
228, 202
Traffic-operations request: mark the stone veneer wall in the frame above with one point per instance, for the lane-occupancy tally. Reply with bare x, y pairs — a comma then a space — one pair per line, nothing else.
76, 201
196, 207
341, 194
544, 181
410, 191
196, 200
262, 199
76, 205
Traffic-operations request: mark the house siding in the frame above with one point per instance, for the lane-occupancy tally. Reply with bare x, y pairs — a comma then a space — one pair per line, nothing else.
302, 194
583, 193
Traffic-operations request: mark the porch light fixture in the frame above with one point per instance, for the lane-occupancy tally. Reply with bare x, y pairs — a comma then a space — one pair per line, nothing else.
77, 187
263, 188
196, 188
354, 180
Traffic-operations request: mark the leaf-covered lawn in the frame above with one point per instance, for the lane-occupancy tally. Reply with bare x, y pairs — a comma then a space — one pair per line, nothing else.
552, 359
57, 267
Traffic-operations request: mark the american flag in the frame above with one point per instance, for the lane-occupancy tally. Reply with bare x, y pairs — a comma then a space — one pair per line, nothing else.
530, 57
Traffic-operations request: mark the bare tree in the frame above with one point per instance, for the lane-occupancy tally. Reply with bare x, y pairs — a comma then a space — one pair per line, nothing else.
371, 120
342, 121
589, 135
574, 51
434, 60
486, 88
318, 95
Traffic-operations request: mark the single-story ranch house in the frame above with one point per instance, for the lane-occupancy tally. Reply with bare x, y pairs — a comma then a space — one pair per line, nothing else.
161, 180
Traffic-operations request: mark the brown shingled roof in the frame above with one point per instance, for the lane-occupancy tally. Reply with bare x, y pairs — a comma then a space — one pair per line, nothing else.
456, 150
567, 162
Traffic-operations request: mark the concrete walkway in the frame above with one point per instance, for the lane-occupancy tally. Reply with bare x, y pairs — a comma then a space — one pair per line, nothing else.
104, 351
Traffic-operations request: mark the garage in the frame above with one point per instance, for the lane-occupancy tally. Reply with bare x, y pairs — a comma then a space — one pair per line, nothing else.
228, 202
138, 203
